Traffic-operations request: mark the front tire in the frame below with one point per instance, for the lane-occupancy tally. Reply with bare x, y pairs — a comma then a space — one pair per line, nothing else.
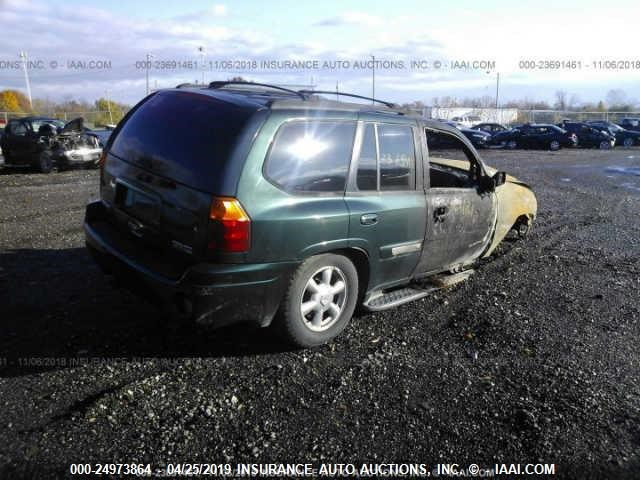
604, 145
45, 162
554, 145
8, 159
319, 302
628, 142
512, 144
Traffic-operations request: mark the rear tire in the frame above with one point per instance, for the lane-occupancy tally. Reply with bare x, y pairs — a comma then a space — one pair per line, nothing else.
45, 162
628, 142
554, 145
512, 144
319, 302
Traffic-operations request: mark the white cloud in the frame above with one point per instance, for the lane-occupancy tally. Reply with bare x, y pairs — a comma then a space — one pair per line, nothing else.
352, 18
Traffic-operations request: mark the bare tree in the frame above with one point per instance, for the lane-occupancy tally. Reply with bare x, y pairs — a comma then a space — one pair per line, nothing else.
616, 100
561, 100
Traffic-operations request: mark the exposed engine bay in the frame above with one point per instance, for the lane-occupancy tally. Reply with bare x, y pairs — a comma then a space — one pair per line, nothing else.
70, 144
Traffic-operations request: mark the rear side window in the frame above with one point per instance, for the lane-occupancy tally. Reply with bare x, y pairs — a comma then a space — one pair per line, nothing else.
311, 156
185, 136
397, 157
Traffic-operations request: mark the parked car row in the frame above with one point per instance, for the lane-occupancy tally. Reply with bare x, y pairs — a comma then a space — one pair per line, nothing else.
593, 134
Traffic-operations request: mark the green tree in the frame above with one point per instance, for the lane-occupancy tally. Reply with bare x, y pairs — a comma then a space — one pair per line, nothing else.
105, 106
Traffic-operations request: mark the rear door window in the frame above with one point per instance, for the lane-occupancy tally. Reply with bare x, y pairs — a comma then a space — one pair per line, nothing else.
311, 156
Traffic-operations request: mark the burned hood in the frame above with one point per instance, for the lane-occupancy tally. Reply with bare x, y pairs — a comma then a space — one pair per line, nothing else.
491, 171
74, 126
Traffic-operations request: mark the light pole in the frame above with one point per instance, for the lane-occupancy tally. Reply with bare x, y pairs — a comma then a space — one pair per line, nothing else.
23, 56
148, 64
373, 78
201, 50
109, 107
497, 90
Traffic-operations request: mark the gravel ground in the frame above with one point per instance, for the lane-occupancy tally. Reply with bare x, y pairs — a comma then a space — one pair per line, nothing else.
534, 359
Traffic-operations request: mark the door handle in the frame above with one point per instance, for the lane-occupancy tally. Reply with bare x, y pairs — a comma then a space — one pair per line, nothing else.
369, 219
439, 213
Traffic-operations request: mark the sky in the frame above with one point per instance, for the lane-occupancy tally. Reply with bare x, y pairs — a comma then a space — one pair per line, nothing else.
88, 50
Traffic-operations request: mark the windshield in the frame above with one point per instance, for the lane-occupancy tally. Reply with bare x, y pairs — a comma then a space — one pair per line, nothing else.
36, 124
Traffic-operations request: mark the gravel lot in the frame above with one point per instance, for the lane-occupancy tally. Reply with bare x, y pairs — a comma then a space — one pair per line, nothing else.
534, 359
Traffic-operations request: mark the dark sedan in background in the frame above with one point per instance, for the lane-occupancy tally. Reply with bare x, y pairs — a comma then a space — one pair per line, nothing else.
624, 137
542, 136
588, 135
630, 124
490, 128
478, 138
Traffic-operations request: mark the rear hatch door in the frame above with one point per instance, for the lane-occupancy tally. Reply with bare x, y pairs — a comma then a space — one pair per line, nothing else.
164, 165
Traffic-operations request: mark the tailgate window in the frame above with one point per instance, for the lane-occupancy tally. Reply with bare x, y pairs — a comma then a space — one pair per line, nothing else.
185, 136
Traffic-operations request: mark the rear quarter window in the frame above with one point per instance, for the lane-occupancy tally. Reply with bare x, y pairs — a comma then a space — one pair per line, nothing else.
311, 156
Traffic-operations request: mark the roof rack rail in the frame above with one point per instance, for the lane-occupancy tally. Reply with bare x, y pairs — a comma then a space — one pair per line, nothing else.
224, 83
352, 95
187, 85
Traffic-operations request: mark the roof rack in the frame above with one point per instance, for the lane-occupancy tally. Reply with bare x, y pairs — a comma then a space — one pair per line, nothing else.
188, 85
224, 83
352, 95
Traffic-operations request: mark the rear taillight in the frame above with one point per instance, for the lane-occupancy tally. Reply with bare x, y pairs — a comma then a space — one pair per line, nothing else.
230, 226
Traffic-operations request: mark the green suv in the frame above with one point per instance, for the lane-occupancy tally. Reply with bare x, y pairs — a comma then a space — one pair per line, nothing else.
248, 202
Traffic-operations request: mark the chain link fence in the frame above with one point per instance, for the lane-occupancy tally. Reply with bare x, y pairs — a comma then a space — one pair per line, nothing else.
556, 116
513, 116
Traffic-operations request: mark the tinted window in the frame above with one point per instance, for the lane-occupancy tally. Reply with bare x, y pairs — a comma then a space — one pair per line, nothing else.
367, 177
17, 128
311, 156
397, 157
185, 136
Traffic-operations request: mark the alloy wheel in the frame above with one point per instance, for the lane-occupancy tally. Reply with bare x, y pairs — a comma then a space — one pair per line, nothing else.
323, 298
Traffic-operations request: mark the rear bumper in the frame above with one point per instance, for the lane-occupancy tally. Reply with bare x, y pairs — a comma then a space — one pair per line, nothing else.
209, 294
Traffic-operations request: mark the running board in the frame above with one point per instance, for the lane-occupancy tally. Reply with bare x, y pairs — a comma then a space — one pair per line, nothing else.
383, 301
378, 301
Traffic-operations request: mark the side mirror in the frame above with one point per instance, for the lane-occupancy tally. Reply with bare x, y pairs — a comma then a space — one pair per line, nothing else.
499, 178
